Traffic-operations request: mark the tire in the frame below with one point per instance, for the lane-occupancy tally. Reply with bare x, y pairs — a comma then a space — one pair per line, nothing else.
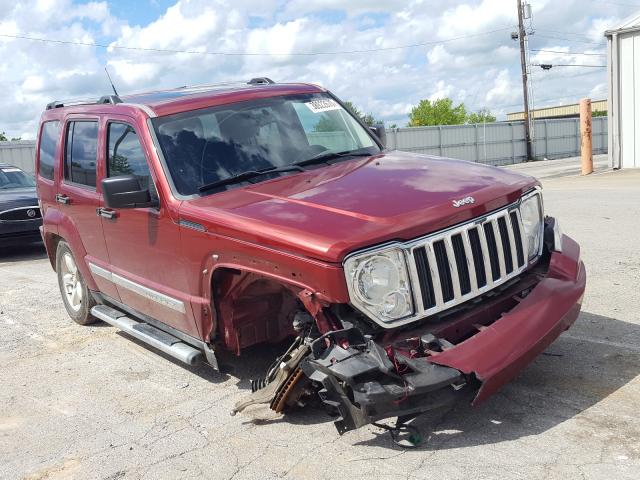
75, 295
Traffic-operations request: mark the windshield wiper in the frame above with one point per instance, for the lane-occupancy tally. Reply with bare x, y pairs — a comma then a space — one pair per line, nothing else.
326, 156
249, 174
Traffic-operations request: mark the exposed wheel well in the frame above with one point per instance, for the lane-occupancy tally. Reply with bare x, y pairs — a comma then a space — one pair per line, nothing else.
51, 243
252, 308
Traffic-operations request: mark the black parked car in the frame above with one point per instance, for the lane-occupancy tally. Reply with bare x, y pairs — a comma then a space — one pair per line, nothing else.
20, 216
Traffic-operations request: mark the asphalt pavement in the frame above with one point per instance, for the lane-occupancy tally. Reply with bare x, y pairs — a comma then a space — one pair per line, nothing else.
89, 403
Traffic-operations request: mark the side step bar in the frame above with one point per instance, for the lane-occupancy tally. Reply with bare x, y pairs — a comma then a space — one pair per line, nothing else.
148, 334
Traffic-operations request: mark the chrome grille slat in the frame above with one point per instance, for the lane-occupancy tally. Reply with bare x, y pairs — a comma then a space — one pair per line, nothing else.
512, 242
523, 239
431, 256
485, 256
471, 265
436, 272
498, 237
453, 268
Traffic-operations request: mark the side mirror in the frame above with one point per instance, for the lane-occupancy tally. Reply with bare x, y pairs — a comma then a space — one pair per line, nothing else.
124, 191
380, 132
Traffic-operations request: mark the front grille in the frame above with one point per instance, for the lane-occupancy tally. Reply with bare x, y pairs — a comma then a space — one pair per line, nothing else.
20, 214
466, 261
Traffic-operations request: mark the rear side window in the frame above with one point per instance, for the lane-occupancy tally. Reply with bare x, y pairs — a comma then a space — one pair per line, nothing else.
48, 144
81, 152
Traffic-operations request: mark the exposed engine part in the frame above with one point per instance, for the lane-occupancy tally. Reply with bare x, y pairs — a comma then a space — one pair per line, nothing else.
365, 382
291, 392
302, 321
258, 383
277, 379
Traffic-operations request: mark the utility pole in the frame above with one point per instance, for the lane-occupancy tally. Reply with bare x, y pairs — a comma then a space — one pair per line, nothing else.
525, 80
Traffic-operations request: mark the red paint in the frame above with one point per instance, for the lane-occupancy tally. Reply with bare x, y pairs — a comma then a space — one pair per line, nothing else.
274, 245
499, 352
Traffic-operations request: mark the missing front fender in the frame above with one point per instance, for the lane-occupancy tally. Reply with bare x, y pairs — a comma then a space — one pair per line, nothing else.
363, 382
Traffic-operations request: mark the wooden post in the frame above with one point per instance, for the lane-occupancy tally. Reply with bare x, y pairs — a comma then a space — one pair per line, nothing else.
586, 146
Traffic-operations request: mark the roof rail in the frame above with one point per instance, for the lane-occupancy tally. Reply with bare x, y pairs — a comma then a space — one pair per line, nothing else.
261, 81
106, 99
112, 99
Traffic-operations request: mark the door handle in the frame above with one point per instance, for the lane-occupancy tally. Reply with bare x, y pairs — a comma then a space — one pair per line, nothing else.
63, 199
106, 213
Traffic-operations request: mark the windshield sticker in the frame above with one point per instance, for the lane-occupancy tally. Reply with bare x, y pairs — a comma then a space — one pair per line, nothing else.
324, 105
9, 170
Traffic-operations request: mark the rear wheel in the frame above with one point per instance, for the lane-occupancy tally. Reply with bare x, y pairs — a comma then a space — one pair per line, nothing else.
75, 294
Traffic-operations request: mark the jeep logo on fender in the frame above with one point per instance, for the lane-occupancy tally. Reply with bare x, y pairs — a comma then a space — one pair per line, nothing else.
464, 201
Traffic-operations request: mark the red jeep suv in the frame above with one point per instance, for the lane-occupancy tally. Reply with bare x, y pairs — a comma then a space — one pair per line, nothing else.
223, 216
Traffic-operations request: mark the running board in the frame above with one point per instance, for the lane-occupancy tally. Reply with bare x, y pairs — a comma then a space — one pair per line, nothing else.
148, 334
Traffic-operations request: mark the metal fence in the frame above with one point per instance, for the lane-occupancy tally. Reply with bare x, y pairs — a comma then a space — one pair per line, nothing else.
21, 154
500, 143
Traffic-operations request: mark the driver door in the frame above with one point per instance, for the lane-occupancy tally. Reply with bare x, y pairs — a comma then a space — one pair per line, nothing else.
143, 243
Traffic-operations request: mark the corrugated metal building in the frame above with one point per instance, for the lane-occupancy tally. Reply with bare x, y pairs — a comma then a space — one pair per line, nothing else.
624, 103
560, 111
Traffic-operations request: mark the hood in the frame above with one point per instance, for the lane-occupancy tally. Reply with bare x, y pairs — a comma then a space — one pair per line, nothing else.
331, 211
18, 197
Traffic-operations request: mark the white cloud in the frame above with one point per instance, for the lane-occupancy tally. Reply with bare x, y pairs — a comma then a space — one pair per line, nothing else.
504, 89
482, 70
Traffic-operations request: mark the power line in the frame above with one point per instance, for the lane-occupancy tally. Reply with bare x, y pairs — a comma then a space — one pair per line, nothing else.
247, 54
548, 66
568, 53
570, 40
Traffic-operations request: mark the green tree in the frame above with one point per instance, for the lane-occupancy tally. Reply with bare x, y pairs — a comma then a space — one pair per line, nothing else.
438, 112
601, 113
367, 118
3, 137
481, 116
119, 165
326, 124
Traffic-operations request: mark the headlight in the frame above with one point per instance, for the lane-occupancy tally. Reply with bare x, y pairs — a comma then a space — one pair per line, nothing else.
531, 214
379, 284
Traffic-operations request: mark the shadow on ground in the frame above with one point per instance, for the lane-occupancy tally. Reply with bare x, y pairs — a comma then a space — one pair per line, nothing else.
33, 251
572, 375
594, 359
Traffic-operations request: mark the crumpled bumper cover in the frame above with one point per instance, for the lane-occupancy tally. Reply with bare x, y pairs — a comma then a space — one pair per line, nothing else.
364, 381
499, 352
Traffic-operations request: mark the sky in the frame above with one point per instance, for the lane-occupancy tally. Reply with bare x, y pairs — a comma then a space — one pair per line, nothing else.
384, 56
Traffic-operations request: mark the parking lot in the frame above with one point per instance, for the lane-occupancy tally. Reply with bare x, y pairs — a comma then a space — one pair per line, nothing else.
86, 402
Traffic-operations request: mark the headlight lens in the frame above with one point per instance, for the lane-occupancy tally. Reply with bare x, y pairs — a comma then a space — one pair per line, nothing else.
531, 213
379, 283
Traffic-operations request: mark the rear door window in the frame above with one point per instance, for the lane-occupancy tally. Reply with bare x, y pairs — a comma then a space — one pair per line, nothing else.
81, 152
47, 151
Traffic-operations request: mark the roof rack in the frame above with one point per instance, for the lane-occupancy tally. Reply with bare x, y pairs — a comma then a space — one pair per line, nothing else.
106, 99
261, 81
113, 99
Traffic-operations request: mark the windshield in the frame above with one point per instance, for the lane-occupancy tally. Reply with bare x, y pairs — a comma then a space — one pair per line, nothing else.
207, 146
12, 177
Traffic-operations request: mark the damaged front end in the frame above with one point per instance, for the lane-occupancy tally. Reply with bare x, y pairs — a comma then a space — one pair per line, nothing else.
365, 382
364, 374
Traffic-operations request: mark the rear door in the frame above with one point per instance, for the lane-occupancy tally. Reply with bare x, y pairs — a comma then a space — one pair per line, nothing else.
143, 243
79, 195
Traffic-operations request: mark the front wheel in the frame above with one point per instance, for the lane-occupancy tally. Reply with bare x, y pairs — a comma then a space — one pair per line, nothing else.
75, 294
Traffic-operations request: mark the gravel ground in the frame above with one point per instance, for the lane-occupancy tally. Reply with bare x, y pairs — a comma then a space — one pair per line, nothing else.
87, 402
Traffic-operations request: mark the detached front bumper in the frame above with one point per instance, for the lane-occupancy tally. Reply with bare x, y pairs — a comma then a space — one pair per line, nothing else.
406, 374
